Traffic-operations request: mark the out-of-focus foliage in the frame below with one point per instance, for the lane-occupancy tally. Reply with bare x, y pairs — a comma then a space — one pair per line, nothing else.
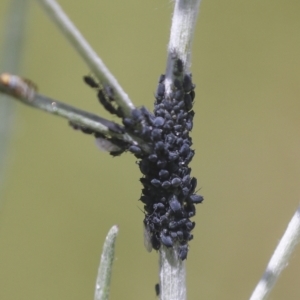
12, 47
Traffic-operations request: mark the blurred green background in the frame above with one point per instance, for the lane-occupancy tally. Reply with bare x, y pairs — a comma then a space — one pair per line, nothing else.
61, 194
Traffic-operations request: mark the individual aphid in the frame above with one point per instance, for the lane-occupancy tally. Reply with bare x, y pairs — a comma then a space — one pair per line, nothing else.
158, 121
156, 134
196, 198
152, 157
135, 149
190, 225
187, 83
144, 166
158, 206
173, 234
147, 115
191, 210
160, 92
192, 94
186, 180
18, 86
184, 150
188, 101
183, 251
161, 78
175, 204
163, 174
106, 103
178, 67
105, 95
166, 239
176, 182
193, 184
89, 80
178, 95
159, 146
157, 289
156, 182
189, 125
166, 184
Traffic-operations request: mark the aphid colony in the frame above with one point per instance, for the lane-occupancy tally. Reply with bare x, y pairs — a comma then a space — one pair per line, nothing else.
168, 190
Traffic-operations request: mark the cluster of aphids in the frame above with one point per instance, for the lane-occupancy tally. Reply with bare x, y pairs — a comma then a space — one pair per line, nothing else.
168, 190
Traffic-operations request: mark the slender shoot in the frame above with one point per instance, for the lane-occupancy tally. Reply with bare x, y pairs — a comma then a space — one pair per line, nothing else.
90, 57
172, 269
106, 264
279, 260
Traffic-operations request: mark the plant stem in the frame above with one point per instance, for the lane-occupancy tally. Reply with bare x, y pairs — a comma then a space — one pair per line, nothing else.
172, 269
106, 263
172, 275
74, 115
181, 37
279, 260
91, 58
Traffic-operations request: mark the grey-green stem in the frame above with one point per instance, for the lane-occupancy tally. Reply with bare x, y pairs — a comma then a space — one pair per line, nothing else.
75, 116
91, 58
106, 264
181, 36
280, 259
172, 269
172, 275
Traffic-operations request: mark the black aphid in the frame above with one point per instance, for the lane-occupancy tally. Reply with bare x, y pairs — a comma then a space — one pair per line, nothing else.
157, 289
182, 251
90, 81
105, 96
166, 239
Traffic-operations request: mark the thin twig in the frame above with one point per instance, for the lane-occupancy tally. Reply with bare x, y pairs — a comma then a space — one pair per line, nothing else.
74, 115
280, 259
91, 58
105, 267
172, 269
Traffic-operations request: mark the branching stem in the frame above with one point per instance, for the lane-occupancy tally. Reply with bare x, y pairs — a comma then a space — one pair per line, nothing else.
74, 115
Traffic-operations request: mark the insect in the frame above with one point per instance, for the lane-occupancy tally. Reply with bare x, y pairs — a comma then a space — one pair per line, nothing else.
18, 86
105, 96
157, 289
